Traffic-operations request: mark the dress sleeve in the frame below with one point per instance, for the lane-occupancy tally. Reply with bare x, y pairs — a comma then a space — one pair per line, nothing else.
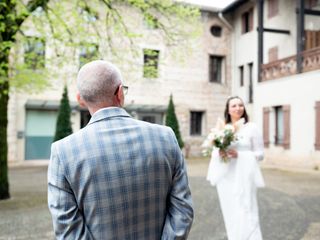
257, 142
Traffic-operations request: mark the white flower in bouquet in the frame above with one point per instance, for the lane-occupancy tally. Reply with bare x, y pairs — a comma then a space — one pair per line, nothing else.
221, 137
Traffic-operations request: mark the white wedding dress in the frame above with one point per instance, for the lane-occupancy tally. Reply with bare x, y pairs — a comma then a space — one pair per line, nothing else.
237, 182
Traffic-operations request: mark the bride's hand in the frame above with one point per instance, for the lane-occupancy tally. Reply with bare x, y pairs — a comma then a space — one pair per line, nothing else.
232, 153
223, 153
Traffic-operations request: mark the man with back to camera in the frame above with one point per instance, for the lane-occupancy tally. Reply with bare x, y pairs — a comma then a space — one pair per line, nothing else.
117, 178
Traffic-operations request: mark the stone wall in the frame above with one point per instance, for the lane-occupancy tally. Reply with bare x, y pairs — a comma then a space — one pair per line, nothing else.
187, 80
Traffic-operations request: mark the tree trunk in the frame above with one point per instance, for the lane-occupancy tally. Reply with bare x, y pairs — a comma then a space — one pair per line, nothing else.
12, 22
4, 98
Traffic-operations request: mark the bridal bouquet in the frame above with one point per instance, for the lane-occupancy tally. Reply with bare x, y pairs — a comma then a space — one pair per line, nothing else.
221, 137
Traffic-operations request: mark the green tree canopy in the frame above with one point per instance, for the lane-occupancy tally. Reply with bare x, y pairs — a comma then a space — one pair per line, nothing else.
70, 23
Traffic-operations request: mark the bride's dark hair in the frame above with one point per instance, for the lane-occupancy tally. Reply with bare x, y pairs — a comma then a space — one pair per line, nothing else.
227, 116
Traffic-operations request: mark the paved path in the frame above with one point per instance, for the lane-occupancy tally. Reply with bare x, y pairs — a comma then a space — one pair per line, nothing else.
289, 205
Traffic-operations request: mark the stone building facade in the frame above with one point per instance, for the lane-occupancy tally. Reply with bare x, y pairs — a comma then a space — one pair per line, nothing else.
199, 85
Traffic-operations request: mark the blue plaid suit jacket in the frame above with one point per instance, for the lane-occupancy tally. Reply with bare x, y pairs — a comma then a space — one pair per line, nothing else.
119, 178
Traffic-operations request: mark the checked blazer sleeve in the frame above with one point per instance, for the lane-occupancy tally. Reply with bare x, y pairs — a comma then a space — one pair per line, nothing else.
180, 211
68, 222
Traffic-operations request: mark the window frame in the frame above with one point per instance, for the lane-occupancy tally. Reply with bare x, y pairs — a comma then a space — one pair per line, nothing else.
150, 68
216, 68
216, 31
241, 75
37, 61
247, 21
278, 125
196, 123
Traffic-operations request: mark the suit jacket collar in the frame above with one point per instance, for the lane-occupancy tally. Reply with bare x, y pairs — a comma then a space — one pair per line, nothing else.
107, 113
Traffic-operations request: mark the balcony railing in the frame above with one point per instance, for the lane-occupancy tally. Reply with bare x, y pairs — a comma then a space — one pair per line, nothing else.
288, 66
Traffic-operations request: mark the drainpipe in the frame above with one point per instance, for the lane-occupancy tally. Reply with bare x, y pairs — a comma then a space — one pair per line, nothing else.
232, 71
224, 20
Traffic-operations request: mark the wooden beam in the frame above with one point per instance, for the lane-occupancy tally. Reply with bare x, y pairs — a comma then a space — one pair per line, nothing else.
312, 12
273, 30
260, 37
300, 34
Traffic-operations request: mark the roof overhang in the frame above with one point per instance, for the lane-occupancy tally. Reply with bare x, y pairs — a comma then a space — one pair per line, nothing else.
37, 104
233, 6
202, 7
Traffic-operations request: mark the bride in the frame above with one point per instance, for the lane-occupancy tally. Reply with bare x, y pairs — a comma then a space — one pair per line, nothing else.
238, 179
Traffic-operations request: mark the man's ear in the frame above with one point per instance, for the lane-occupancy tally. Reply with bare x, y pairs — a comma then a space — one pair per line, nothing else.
120, 96
81, 102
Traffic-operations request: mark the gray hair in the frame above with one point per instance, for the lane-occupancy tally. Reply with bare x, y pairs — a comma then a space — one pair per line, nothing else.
97, 81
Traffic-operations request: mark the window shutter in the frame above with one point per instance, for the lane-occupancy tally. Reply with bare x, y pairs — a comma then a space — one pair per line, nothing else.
314, 39
273, 54
317, 126
276, 7
266, 137
273, 8
270, 8
286, 127
308, 43
251, 19
318, 39
310, 3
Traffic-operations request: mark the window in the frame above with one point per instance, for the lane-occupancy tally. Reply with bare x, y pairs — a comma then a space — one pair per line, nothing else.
34, 53
241, 76
247, 21
150, 119
151, 61
88, 52
273, 8
196, 123
215, 69
216, 31
276, 124
40, 130
279, 123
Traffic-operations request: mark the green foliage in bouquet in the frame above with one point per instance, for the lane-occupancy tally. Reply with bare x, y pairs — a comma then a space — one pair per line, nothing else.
224, 141
221, 137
